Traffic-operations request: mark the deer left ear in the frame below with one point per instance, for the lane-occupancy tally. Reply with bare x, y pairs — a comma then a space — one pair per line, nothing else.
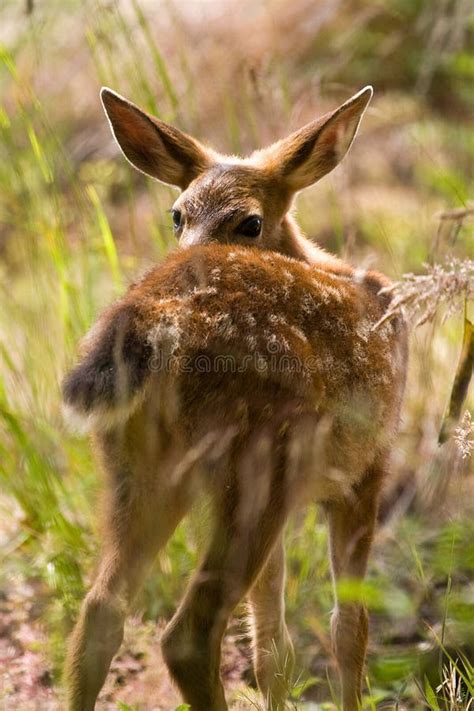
153, 146
310, 153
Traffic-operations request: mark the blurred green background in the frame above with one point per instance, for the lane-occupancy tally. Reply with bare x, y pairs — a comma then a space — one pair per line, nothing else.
76, 223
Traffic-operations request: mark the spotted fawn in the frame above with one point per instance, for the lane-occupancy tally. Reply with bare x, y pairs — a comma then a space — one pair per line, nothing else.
260, 378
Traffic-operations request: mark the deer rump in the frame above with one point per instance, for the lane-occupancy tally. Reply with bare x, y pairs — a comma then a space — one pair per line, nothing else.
235, 325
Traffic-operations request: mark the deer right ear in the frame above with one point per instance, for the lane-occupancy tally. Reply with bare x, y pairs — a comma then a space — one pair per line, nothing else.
310, 153
153, 146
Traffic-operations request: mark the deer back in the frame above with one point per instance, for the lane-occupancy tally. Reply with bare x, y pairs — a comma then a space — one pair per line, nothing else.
241, 336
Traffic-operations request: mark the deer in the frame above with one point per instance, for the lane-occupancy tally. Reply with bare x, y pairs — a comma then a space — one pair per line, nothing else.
263, 378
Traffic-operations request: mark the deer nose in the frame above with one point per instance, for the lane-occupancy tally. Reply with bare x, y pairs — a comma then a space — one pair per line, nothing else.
192, 237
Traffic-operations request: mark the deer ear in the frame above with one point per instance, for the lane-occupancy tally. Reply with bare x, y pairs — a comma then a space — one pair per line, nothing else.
310, 153
153, 146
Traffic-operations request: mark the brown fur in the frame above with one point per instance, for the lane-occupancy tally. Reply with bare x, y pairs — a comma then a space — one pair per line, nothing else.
260, 440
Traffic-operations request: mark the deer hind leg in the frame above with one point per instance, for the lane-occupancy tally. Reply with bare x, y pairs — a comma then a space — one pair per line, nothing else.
243, 537
137, 524
274, 656
98, 634
351, 529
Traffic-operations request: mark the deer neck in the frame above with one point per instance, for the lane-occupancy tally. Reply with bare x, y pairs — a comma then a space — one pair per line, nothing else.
294, 244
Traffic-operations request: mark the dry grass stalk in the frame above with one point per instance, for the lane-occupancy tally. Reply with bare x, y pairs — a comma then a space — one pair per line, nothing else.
461, 382
421, 295
452, 689
464, 435
457, 214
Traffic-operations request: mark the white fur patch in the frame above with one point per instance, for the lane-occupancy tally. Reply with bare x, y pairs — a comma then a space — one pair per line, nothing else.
298, 333
359, 275
166, 334
101, 418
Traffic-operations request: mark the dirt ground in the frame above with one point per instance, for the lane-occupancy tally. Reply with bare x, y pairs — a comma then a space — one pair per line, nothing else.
138, 675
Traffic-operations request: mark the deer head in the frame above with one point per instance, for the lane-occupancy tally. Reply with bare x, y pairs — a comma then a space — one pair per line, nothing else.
227, 198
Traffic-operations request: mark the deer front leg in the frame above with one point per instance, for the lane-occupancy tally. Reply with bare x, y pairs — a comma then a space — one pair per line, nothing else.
351, 528
273, 650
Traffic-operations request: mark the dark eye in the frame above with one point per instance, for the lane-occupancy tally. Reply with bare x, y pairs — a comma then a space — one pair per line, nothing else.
250, 227
177, 219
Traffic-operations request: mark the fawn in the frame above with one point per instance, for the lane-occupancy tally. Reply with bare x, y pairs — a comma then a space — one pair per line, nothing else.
253, 375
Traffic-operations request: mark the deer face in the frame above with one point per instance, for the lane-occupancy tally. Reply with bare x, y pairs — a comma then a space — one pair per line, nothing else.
230, 203
229, 199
